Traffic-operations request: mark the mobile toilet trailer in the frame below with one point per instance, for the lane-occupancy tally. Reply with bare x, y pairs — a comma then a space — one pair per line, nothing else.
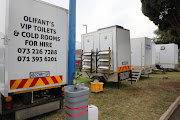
141, 55
153, 56
167, 55
106, 54
33, 57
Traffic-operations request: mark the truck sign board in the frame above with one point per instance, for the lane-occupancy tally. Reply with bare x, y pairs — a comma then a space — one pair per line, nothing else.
35, 44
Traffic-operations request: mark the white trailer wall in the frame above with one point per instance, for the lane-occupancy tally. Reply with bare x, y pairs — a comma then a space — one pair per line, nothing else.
123, 48
167, 55
153, 55
141, 54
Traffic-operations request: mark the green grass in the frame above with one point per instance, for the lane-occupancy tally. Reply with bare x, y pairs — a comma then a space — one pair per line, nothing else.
147, 99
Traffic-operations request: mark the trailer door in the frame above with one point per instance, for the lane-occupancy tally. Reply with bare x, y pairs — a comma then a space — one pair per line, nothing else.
157, 57
88, 43
106, 39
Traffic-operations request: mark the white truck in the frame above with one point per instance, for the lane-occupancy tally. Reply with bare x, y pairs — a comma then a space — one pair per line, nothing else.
106, 54
33, 57
167, 55
141, 55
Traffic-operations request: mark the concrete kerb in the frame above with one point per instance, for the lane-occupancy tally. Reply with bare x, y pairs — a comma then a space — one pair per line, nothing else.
170, 110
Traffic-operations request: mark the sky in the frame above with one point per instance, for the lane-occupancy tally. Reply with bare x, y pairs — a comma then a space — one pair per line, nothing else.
104, 13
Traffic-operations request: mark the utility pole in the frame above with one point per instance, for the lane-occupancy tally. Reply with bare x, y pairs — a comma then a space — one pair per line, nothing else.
72, 41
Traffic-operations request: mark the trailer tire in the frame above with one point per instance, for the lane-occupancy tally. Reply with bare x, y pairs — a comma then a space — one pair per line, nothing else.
102, 79
99, 79
96, 79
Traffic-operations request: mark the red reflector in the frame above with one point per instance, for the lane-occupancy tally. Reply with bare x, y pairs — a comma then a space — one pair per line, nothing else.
63, 94
8, 106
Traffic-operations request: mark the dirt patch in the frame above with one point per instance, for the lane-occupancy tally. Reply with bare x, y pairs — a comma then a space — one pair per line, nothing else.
171, 84
133, 89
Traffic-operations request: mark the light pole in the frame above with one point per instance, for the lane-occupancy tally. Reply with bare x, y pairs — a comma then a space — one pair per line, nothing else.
86, 27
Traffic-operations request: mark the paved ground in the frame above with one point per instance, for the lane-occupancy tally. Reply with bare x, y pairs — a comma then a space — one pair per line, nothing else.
176, 114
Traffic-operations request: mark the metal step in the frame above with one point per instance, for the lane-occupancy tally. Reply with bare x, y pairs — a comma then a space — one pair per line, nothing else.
136, 71
132, 79
135, 76
103, 60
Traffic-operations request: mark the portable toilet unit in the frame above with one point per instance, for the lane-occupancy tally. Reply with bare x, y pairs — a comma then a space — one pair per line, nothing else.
141, 54
106, 54
167, 55
153, 55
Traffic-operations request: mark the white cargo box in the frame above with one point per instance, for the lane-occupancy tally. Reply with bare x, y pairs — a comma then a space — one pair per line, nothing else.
167, 55
115, 39
141, 54
33, 45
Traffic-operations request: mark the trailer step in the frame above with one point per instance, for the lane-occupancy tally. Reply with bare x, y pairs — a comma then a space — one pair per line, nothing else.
136, 74
136, 71
133, 79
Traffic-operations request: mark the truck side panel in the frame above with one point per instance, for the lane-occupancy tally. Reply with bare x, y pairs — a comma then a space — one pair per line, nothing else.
37, 49
2, 67
3, 16
2, 47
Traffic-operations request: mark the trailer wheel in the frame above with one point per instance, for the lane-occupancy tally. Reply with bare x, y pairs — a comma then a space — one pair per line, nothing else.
102, 79
99, 79
96, 80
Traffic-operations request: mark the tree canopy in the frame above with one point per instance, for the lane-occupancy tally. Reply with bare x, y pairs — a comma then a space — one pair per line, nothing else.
164, 13
166, 36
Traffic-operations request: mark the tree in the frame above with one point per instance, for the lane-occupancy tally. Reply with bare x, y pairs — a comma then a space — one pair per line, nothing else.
164, 13
166, 36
